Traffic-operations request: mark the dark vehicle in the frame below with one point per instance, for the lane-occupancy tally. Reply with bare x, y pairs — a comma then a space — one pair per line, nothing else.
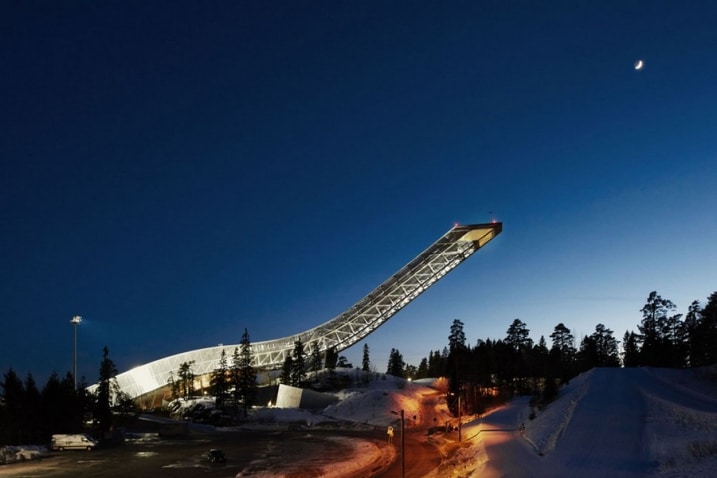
216, 456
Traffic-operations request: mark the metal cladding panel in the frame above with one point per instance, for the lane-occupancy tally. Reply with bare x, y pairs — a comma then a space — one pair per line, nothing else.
365, 316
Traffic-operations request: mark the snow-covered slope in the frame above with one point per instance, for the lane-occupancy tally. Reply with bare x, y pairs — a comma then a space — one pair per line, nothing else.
630, 422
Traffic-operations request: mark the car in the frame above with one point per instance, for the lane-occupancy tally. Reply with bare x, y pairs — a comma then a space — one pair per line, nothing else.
25, 454
216, 456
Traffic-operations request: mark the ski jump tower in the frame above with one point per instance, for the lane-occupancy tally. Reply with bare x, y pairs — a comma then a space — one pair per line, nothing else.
339, 333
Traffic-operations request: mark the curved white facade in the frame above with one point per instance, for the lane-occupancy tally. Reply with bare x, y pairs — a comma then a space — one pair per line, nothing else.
341, 332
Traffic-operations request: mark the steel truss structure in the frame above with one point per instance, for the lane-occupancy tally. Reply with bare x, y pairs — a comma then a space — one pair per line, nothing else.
339, 333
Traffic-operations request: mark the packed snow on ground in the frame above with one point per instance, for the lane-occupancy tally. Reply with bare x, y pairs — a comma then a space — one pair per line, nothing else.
606, 422
377, 402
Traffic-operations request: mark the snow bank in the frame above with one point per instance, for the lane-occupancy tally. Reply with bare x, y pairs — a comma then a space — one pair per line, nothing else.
544, 431
652, 421
681, 427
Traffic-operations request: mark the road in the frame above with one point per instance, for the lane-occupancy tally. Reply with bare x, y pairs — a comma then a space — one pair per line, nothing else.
273, 453
421, 456
338, 453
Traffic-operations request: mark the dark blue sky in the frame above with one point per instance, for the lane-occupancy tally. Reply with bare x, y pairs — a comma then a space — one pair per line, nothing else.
177, 171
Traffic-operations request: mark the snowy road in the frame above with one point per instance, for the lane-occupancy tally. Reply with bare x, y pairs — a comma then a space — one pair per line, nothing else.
506, 453
607, 423
604, 437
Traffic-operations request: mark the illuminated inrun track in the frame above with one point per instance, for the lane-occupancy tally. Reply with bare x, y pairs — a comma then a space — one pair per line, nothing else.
341, 332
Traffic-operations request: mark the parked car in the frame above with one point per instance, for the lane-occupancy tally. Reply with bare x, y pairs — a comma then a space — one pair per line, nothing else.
216, 456
26, 454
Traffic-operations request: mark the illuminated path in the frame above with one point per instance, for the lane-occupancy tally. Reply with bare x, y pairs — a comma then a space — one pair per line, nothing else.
341, 332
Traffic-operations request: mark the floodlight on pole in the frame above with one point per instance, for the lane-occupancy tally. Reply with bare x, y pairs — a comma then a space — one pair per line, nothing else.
75, 321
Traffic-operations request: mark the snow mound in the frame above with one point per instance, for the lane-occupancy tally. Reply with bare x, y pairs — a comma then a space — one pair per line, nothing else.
544, 431
374, 407
630, 422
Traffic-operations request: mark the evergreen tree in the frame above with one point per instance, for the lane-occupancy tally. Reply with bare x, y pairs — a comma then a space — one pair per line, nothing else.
422, 371
105, 388
693, 319
31, 407
173, 385
13, 397
456, 363
331, 357
365, 362
435, 364
563, 352
606, 346
51, 401
563, 342
705, 345
631, 350
317, 361
518, 336
247, 374
516, 359
298, 367
539, 359
286, 370
656, 345
219, 381
125, 405
599, 349
396, 365
674, 346
587, 355
457, 337
63, 407
343, 362
186, 379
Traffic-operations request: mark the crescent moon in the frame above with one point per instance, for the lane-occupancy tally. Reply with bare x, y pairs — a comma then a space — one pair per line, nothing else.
639, 64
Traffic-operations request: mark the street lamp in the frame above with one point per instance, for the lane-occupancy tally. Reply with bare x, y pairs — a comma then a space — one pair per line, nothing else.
75, 321
403, 445
459, 417
459, 413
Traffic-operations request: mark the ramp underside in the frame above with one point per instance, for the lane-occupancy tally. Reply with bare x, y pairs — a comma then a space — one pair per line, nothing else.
339, 333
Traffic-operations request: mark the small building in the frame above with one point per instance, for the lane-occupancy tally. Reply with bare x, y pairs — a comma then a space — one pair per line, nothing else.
295, 397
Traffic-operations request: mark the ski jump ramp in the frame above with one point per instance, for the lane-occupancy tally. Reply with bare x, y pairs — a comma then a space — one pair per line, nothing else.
341, 332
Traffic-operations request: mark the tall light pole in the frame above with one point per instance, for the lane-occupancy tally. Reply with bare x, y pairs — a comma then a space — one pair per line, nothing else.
75, 321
